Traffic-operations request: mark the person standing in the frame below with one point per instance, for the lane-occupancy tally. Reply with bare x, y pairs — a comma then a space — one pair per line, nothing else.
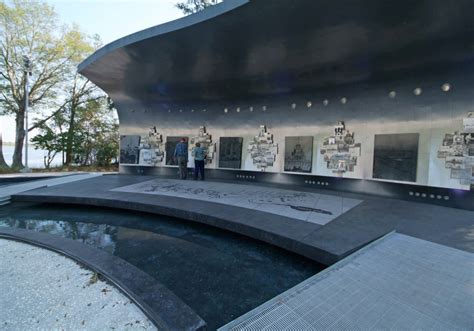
181, 157
199, 155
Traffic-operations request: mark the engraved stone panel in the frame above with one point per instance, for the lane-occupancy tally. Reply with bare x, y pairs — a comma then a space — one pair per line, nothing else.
171, 143
129, 149
396, 156
230, 152
205, 139
340, 150
151, 148
458, 151
299, 154
262, 150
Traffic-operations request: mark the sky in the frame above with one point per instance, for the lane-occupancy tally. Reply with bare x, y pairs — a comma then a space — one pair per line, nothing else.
111, 19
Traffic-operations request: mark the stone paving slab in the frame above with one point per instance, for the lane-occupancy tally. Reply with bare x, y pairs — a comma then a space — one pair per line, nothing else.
305, 206
7, 191
42, 290
396, 283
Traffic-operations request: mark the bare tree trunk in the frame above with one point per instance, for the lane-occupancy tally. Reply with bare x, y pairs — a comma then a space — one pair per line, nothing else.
19, 140
3, 164
70, 133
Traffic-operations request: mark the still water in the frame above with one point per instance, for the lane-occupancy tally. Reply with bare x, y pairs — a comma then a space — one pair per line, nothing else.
35, 157
220, 275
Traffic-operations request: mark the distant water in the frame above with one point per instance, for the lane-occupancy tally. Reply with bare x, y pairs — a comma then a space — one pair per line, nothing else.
35, 157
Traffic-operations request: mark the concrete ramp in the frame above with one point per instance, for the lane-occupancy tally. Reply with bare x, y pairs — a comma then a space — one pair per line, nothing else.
396, 283
7, 191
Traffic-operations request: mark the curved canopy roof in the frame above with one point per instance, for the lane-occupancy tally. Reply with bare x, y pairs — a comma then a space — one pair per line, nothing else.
259, 47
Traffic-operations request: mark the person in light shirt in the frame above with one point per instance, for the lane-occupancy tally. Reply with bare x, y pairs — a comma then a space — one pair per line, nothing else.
199, 155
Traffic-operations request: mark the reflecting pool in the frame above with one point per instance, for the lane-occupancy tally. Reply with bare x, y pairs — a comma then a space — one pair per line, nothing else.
220, 275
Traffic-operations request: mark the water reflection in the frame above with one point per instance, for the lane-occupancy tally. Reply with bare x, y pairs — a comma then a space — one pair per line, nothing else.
101, 236
220, 275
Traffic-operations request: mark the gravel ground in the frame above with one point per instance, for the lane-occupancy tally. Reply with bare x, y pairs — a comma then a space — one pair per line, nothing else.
42, 290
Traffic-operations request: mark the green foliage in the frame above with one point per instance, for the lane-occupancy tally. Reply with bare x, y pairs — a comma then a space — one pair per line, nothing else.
193, 6
29, 28
51, 142
95, 138
98, 137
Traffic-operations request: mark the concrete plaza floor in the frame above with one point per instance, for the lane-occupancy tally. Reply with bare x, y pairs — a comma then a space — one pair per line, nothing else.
8, 190
408, 280
42, 290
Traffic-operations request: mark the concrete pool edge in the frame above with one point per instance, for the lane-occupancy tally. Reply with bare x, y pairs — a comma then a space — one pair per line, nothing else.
160, 305
234, 219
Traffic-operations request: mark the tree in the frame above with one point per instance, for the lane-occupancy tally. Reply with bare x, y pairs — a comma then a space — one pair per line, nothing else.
94, 139
3, 164
51, 138
81, 92
193, 6
28, 28
97, 138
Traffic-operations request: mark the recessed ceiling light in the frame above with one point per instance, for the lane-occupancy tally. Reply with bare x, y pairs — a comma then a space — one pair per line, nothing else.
309, 104
226, 110
392, 94
264, 108
238, 109
326, 102
251, 109
343, 100
293, 106
446, 87
417, 91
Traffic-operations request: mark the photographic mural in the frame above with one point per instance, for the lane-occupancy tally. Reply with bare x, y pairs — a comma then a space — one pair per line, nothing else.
205, 139
171, 143
298, 154
262, 150
129, 149
151, 148
396, 156
230, 152
340, 150
458, 151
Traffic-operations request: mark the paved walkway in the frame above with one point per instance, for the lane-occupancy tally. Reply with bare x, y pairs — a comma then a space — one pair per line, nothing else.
7, 191
305, 206
62, 296
33, 175
396, 283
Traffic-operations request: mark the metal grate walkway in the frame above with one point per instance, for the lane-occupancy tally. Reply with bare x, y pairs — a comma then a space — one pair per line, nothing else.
396, 283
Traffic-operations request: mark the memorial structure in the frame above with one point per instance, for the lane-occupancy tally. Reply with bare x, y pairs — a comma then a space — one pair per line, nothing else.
378, 93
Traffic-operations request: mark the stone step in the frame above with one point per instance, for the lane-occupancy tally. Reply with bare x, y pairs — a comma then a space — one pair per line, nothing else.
5, 200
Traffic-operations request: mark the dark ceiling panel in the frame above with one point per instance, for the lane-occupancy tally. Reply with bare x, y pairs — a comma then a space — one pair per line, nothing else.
277, 46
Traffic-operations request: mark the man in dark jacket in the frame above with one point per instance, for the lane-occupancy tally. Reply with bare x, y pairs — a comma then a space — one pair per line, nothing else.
181, 156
